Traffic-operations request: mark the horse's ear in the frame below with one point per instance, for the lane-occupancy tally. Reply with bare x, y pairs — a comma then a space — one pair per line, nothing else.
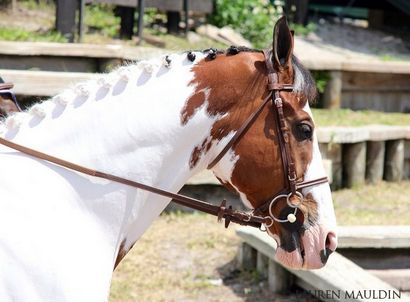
282, 43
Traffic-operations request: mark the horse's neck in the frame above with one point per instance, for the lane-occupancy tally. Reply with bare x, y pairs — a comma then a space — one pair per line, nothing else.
128, 124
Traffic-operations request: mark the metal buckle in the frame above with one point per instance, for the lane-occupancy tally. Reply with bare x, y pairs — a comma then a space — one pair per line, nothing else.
292, 178
278, 101
287, 87
248, 217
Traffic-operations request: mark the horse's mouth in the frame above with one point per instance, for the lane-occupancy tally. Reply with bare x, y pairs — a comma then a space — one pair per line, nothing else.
302, 252
309, 251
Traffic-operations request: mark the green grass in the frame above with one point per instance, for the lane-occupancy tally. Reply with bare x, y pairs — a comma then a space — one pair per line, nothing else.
102, 26
19, 34
347, 117
386, 203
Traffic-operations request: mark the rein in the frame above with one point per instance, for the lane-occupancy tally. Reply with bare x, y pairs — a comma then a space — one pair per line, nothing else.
256, 218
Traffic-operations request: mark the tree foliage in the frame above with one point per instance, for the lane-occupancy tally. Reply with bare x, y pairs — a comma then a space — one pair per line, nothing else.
254, 19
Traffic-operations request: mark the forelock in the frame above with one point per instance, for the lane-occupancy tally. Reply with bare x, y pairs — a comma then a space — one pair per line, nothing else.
303, 81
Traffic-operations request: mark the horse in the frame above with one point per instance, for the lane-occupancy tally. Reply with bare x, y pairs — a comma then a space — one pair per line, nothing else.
159, 122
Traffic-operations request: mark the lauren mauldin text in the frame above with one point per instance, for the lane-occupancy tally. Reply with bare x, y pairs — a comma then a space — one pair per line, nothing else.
370, 294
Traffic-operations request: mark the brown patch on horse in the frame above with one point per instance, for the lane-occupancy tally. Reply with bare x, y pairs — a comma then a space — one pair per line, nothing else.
222, 87
7, 107
309, 207
121, 253
193, 104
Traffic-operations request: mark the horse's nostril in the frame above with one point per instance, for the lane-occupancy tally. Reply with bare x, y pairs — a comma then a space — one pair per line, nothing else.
331, 241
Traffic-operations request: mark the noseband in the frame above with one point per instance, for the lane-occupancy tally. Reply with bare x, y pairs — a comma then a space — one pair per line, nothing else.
257, 217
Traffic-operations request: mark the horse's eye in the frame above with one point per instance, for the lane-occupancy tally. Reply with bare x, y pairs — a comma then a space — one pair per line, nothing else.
305, 131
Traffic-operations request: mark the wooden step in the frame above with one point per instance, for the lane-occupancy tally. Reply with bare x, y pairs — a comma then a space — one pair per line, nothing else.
399, 278
43, 83
372, 236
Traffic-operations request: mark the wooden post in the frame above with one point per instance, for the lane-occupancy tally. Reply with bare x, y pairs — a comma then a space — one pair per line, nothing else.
81, 20
333, 152
127, 22
186, 10
14, 6
300, 15
262, 265
333, 92
279, 279
375, 161
141, 8
65, 18
354, 164
173, 19
247, 257
394, 161
406, 169
376, 18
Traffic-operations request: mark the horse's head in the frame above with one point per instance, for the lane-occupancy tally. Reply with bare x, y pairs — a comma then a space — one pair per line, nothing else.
231, 86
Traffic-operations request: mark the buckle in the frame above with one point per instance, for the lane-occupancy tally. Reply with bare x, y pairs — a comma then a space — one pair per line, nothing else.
222, 209
293, 177
287, 87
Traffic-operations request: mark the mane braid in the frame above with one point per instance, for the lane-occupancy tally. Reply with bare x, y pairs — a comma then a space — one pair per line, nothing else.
233, 50
81, 91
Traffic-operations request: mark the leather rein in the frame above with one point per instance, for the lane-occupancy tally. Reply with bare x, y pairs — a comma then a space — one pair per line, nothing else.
255, 218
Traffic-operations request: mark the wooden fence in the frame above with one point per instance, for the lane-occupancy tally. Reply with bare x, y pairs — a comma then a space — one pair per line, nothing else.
373, 85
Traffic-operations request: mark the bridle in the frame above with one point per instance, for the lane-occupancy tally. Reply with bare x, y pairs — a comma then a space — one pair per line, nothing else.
289, 167
256, 218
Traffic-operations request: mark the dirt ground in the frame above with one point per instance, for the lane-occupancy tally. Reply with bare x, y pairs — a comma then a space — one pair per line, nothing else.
190, 257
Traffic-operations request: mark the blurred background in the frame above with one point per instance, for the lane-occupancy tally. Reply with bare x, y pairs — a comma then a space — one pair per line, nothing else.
359, 54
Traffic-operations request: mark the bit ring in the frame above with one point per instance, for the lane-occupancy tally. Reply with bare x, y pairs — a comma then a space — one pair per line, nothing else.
273, 201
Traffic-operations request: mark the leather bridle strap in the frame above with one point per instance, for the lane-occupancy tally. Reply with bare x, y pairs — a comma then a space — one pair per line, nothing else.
222, 211
289, 167
241, 131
